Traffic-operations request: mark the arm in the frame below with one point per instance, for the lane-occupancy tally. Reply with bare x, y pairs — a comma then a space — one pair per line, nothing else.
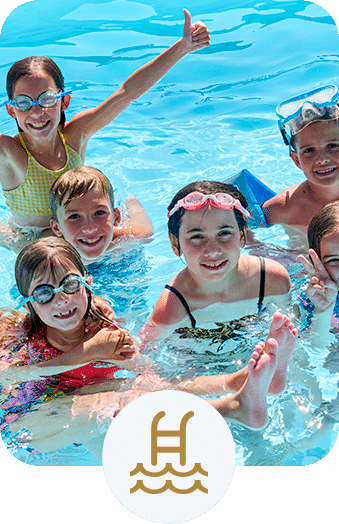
86, 123
137, 224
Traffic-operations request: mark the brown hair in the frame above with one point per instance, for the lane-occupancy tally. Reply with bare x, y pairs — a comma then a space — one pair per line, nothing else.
207, 187
31, 65
76, 183
49, 255
324, 222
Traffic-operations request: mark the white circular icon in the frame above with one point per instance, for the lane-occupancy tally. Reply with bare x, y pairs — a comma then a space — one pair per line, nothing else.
169, 457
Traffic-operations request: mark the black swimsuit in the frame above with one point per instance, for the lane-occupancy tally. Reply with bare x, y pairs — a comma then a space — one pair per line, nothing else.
260, 301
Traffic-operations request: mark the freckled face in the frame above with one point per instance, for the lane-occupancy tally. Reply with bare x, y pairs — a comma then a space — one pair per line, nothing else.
329, 249
210, 241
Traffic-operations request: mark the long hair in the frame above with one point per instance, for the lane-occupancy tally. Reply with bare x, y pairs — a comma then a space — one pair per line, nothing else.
50, 256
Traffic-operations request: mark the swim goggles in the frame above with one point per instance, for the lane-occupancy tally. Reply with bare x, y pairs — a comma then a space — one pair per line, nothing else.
197, 200
45, 293
46, 99
300, 111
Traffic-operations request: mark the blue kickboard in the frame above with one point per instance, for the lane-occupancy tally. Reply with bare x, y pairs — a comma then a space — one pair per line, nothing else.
256, 193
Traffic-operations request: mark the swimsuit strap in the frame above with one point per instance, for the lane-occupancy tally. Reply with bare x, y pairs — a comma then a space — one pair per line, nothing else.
184, 303
24, 145
262, 283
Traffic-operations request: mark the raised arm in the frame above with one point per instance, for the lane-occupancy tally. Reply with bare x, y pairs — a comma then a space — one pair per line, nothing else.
86, 123
137, 223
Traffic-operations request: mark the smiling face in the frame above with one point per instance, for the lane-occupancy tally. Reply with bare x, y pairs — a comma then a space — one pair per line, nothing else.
329, 251
87, 223
317, 152
210, 240
38, 122
64, 312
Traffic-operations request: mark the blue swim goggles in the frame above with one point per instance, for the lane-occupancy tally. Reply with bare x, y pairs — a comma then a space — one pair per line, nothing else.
45, 293
46, 99
298, 112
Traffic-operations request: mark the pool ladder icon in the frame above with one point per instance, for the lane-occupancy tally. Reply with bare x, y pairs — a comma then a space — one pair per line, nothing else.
181, 450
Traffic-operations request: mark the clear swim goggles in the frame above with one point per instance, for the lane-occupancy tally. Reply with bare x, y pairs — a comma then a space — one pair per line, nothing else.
46, 99
300, 111
197, 200
45, 293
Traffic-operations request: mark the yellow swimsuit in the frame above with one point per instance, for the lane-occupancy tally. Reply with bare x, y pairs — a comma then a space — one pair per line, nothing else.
32, 196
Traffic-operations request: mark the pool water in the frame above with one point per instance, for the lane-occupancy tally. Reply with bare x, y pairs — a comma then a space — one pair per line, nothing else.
211, 116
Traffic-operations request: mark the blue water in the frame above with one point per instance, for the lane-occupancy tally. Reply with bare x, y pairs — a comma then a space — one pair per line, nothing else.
211, 116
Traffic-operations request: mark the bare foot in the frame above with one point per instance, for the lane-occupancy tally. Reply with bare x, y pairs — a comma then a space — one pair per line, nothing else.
284, 332
249, 405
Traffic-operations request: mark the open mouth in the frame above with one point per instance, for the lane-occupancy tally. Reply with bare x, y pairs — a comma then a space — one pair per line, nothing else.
214, 266
325, 172
39, 126
92, 242
67, 314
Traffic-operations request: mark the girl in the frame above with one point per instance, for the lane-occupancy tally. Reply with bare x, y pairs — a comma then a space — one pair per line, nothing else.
46, 145
207, 225
322, 302
65, 322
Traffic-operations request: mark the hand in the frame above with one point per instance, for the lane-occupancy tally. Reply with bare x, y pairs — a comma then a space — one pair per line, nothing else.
321, 289
112, 343
196, 36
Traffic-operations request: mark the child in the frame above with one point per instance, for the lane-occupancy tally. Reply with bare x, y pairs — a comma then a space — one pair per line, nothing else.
83, 211
46, 145
323, 287
313, 139
65, 322
207, 225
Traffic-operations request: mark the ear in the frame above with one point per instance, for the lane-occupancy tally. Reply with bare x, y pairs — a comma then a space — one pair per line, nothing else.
55, 228
295, 159
117, 216
66, 99
10, 110
89, 281
175, 244
242, 238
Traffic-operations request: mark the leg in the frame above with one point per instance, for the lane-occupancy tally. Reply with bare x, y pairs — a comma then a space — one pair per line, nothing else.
248, 405
284, 332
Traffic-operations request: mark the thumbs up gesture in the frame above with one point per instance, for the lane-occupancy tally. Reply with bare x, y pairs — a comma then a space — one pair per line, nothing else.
197, 35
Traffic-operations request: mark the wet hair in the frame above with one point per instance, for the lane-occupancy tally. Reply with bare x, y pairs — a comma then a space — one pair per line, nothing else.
77, 183
324, 222
50, 256
30, 66
207, 187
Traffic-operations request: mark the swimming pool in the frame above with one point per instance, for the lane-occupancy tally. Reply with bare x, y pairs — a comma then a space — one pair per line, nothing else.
211, 116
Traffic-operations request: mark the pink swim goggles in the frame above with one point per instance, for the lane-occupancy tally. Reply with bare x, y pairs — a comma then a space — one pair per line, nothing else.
198, 200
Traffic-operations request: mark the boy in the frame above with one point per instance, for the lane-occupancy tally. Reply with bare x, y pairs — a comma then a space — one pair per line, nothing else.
83, 212
313, 139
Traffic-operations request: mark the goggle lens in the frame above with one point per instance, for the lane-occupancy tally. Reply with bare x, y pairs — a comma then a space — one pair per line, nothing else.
47, 99
45, 293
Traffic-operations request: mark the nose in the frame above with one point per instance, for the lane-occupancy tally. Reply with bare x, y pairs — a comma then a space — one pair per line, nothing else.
323, 157
88, 226
61, 297
36, 110
212, 248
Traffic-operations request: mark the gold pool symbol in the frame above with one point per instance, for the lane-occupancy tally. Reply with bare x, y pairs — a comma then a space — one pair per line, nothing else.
181, 433
181, 450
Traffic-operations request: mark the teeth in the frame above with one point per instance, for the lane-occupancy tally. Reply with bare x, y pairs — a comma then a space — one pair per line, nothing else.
92, 241
61, 315
217, 264
38, 126
324, 171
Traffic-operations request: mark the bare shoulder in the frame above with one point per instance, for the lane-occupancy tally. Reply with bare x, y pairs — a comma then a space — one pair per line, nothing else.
13, 162
169, 309
281, 208
277, 278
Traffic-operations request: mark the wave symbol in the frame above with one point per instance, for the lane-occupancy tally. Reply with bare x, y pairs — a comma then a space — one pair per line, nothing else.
168, 469
168, 485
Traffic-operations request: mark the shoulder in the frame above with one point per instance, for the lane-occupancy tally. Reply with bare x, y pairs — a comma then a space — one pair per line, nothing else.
169, 309
277, 278
280, 208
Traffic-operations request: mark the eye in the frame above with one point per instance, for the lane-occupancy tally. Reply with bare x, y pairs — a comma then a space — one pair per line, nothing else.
73, 216
101, 212
333, 145
225, 234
